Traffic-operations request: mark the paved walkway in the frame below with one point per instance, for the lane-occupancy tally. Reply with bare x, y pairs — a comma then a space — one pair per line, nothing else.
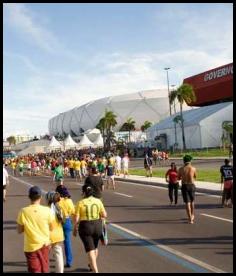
202, 186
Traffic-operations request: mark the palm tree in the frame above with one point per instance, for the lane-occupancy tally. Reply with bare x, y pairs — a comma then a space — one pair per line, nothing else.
129, 125
110, 122
145, 126
184, 93
106, 124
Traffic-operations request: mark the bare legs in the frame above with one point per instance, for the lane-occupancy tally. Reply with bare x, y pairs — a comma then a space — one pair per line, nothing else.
92, 257
4, 194
190, 211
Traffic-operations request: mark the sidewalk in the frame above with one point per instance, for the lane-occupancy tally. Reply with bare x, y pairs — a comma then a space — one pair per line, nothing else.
201, 186
194, 158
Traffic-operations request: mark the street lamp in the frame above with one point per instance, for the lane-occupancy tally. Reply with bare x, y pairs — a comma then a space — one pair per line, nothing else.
167, 68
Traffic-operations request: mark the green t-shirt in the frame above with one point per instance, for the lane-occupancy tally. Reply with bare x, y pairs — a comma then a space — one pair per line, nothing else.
101, 167
58, 172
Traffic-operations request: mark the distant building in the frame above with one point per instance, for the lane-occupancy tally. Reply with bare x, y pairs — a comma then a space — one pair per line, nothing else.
149, 105
22, 138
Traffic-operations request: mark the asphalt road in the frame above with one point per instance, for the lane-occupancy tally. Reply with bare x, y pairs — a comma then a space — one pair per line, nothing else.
145, 233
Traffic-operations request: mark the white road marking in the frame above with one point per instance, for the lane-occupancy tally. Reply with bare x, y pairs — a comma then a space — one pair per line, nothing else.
123, 194
171, 250
229, 220
205, 194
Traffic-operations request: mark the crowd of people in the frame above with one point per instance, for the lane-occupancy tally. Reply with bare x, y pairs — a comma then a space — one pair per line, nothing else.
50, 232
70, 164
45, 233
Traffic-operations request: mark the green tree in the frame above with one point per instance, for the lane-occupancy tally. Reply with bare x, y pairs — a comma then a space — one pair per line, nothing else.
145, 126
106, 125
129, 125
11, 140
110, 122
184, 93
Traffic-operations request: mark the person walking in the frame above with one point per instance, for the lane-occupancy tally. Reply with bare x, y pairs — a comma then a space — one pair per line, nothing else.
68, 210
187, 174
110, 175
71, 167
58, 174
36, 222
5, 182
89, 213
172, 178
56, 236
125, 165
148, 165
155, 155
77, 170
95, 181
227, 179
117, 164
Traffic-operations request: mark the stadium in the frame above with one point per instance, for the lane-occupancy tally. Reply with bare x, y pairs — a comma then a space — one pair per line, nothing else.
150, 105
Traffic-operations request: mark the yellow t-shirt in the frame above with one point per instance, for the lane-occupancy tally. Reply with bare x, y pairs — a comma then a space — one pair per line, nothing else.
13, 165
89, 208
77, 164
112, 161
83, 163
57, 234
36, 220
67, 207
71, 163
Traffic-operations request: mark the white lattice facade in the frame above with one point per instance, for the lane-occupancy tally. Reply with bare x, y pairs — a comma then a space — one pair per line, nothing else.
152, 105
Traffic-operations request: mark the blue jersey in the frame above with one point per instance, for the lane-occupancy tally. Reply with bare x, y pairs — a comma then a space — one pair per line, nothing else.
227, 172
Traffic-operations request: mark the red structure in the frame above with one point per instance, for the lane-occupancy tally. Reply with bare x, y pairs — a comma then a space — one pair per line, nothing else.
213, 86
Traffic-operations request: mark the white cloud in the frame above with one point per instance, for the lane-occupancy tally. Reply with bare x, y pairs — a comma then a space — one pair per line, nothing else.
24, 21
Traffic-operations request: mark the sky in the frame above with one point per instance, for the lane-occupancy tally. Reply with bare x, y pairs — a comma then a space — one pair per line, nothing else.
61, 55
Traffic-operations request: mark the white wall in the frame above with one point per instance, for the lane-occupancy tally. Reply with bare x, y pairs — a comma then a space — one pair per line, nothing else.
211, 127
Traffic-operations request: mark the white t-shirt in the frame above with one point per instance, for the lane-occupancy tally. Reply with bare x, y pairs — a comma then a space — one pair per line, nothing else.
5, 176
125, 162
118, 161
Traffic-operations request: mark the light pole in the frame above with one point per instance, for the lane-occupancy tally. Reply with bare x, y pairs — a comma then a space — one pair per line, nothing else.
167, 68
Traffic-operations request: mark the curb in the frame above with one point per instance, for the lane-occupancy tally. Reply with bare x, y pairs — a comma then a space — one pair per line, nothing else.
201, 190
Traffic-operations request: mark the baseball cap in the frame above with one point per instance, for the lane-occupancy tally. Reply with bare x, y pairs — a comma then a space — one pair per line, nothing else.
62, 190
35, 190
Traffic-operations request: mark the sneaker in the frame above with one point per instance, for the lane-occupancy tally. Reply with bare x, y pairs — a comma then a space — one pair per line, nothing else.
67, 265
